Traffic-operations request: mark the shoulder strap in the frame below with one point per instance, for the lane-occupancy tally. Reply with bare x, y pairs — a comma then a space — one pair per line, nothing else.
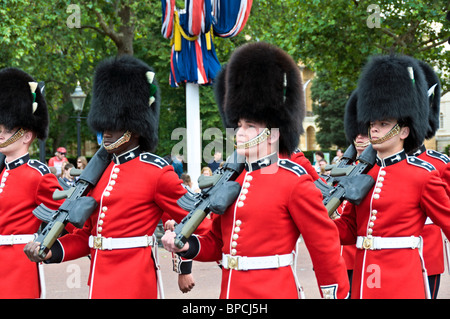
39, 166
153, 159
419, 163
444, 158
291, 166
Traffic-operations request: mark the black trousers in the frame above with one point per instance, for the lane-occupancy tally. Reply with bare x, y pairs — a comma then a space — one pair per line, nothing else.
434, 281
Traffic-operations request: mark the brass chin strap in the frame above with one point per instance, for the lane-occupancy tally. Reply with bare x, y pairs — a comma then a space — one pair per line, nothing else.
254, 141
394, 131
364, 144
122, 140
20, 132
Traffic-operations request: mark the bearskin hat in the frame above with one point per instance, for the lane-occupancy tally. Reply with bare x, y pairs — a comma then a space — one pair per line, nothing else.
352, 127
434, 97
219, 94
262, 83
125, 96
22, 103
395, 87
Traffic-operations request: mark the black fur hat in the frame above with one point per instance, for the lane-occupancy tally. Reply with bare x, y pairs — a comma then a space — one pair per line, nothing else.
434, 97
395, 87
122, 99
352, 127
18, 105
262, 83
219, 94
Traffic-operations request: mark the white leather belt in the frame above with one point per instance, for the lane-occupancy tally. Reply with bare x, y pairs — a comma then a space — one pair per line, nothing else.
252, 263
373, 243
109, 243
6, 240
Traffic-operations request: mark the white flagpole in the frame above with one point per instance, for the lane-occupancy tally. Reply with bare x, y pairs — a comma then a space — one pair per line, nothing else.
193, 131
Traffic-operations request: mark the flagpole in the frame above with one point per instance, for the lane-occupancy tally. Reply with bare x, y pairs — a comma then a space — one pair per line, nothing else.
193, 131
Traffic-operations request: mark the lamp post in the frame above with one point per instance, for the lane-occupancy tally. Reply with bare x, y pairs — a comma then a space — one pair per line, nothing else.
78, 97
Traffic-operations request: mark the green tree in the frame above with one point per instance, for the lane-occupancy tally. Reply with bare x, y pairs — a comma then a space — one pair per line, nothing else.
329, 110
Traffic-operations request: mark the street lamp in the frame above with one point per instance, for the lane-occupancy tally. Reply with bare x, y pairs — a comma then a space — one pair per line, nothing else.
78, 97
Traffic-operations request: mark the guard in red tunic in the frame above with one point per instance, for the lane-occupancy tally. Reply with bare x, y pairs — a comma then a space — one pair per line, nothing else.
433, 250
256, 236
133, 192
24, 183
356, 133
392, 102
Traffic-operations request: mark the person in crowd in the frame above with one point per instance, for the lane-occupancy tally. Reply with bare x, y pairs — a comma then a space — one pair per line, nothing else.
58, 160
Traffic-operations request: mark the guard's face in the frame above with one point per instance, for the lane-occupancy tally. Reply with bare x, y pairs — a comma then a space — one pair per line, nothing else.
5, 134
248, 130
379, 129
110, 137
361, 142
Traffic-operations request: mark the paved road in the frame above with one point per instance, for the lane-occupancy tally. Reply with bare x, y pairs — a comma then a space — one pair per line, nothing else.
69, 280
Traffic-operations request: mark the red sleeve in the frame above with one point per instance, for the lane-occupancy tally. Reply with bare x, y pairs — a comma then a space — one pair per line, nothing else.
168, 191
301, 159
436, 203
445, 176
210, 244
74, 244
44, 192
347, 225
321, 236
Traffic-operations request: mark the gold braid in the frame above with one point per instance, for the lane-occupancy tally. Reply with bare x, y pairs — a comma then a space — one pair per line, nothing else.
394, 131
122, 140
256, 140
20, 132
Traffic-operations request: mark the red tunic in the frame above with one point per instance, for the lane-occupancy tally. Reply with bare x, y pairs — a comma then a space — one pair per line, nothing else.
407, 190
132, 194
347, 251
275, 206
300, 158
433, 248
25, 184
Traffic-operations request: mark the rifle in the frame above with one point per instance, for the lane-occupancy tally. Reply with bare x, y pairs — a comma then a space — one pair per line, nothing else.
77, 208
355, 185
218, 192
348, 158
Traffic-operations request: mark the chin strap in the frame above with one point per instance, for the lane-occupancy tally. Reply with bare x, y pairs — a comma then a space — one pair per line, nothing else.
20, 132
364, 144
122, 140
394, 131
255, 141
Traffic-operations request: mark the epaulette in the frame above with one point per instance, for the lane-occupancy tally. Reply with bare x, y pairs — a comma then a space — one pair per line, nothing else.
153, 159
291, 166
419, 163
39, 166
439, 156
